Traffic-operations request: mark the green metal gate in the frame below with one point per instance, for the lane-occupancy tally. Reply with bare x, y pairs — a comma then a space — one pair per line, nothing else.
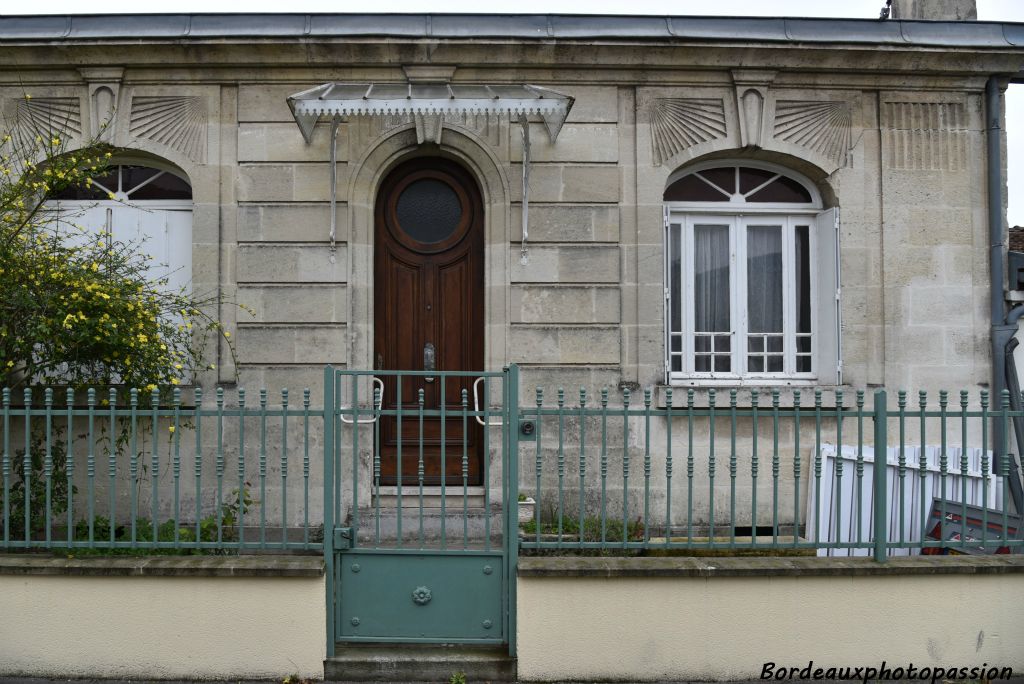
411, 558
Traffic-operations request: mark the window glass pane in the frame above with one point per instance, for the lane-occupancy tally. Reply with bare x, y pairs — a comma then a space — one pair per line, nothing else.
764, 278
98, 190
752, 178
693, 189
722, 364
428, 210
134, 176
702, 364
702, 343
711, 278
677, 343
803, 345
774, 364
675, 277
781, 189
803, 279
677, 364
803, 364
166, 186
724, 177
755, 344
756, 364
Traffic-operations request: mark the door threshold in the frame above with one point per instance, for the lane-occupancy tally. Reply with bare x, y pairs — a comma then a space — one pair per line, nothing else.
432, 490
435, 497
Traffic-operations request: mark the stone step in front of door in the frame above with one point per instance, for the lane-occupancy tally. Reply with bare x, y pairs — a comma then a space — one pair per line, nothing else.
432, 496
470, 522
409, 663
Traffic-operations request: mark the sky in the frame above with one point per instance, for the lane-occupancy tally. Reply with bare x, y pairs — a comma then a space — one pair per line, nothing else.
988, 10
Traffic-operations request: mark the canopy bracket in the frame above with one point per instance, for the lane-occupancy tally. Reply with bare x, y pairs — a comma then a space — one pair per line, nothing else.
428, 104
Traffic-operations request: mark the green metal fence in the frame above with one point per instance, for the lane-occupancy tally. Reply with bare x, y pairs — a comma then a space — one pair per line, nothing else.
676, 469
128, 470
732, 476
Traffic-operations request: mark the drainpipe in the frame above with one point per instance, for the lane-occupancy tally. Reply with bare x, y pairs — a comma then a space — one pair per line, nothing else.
1004, 326
997, 259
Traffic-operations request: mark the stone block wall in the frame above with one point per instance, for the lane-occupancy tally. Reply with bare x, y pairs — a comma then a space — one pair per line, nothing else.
896, 144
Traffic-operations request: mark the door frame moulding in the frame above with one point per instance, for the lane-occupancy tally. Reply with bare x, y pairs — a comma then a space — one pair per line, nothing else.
365, 176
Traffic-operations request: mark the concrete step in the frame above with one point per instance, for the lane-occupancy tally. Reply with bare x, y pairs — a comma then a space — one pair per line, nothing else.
415, 662
457, 520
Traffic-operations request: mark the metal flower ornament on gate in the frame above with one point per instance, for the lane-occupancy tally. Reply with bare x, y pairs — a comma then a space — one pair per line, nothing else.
421, 596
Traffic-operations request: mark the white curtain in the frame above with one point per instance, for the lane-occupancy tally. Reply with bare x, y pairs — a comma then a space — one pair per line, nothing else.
711, 278
764, 279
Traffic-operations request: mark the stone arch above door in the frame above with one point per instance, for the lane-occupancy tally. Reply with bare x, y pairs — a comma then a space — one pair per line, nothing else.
365, 175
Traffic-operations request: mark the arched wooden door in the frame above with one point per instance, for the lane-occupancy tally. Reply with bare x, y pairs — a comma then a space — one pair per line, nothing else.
429, 308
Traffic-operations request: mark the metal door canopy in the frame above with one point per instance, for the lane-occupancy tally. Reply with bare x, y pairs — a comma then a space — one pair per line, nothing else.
421, 597
333, 100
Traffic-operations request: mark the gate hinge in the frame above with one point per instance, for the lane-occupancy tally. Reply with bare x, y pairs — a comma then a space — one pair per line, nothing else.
342, 537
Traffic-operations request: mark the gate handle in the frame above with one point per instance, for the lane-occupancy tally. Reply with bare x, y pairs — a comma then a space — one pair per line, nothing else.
364, 421
476, 406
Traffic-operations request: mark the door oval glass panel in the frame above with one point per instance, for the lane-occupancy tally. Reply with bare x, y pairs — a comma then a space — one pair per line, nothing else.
428, 210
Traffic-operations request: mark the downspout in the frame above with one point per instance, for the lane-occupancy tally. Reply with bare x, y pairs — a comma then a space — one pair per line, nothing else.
1003, 326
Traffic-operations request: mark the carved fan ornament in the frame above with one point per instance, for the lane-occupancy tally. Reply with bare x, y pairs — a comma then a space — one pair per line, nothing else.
45, 117
824, 127
179, 122
677, 124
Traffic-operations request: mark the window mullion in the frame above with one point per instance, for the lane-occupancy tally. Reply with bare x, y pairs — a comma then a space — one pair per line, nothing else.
788, 297
740, 316
687, 274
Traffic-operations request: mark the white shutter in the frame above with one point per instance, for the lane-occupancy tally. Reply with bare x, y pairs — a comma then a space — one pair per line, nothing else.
79, 223
666, 303
125, 226
828, 356
178, 247
163, 234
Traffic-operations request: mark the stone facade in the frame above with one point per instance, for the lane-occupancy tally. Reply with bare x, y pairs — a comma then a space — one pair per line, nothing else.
891, 134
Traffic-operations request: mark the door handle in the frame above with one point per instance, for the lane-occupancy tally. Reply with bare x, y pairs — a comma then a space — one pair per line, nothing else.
429, 360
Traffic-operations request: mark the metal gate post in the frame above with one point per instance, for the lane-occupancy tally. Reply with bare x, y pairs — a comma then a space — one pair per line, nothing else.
881, 464
511, 535
329, 452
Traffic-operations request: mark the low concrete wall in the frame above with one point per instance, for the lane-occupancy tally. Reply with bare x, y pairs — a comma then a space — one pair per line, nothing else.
724, 618
181, 618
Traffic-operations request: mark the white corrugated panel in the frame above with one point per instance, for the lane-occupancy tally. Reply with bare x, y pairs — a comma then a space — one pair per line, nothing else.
835, 517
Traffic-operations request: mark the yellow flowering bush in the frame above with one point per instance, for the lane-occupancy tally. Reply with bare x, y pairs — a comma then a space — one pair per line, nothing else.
84, 312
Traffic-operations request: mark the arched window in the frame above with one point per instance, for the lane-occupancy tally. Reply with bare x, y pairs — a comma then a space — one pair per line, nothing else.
139, 204
751, 273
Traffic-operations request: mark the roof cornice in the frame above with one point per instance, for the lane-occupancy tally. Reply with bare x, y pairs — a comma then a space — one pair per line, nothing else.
90, 28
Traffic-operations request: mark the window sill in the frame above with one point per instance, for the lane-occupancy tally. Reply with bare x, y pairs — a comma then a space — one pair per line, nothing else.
746, 382
787, 393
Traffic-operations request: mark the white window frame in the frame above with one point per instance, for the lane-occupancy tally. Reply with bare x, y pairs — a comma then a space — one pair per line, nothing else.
738, 214
65, 212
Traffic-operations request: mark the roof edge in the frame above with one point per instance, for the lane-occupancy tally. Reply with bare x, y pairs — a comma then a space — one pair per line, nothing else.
540, 27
